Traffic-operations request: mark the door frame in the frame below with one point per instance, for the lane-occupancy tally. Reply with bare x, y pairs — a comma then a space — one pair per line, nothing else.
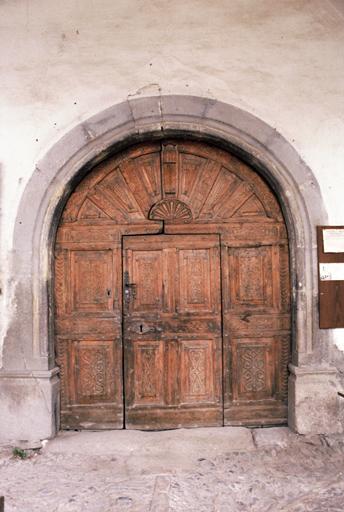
28, 350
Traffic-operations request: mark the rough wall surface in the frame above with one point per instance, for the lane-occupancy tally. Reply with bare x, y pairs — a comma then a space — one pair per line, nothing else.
63, 62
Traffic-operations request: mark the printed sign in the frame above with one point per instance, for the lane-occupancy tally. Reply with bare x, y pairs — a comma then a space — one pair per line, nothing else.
333, 240
331, 271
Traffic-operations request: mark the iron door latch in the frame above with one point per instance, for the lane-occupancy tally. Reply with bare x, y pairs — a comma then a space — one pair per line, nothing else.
129, 288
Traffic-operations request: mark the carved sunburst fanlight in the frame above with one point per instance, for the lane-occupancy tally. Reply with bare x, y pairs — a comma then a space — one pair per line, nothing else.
171, 210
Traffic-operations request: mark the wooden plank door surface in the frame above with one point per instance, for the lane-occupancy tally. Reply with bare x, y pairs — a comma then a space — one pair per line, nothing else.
88, 328
256, 316
172, 331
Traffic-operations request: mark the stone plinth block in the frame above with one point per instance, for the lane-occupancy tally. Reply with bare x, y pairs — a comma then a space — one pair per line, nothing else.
29, 406
313, 400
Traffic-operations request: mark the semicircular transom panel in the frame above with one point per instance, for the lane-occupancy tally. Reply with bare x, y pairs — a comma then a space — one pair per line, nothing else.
176, 182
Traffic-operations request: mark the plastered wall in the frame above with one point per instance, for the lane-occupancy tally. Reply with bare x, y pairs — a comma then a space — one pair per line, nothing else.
61, 62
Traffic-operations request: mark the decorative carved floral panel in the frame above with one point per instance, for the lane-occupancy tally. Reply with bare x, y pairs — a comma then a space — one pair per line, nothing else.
196, 371
148, 368
253, 367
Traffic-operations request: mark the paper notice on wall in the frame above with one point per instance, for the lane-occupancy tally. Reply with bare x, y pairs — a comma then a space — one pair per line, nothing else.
333, 240
331, 271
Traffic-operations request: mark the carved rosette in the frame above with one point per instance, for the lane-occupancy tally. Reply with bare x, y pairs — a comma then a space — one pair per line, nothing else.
171, 210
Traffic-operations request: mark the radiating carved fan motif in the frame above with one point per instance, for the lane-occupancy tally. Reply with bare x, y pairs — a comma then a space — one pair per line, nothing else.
171, 210
122, 189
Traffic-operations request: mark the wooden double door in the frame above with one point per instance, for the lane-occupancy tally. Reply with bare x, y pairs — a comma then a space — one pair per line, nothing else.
172, 295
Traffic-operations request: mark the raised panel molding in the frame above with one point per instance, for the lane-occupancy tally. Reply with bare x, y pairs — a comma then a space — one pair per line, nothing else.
88, 367
91, 277
148, 294
195, 291
197, 371
254, 368
148, 372
251, 277
93, 369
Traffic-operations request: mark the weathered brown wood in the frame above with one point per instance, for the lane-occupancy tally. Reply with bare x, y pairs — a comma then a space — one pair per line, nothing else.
256, 326
88, 328
184, 200
172, 331
88, 283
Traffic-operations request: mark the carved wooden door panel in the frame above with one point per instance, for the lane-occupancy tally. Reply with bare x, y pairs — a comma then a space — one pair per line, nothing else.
88, 327
256, 327
172, 331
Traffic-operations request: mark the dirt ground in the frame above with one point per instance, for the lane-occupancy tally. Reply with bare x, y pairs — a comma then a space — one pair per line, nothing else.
195, 470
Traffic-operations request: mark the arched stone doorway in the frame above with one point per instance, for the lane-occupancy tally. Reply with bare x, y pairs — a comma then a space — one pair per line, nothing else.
28, 351
172, 293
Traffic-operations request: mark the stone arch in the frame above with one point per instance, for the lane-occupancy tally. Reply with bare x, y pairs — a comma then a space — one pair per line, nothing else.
132, 121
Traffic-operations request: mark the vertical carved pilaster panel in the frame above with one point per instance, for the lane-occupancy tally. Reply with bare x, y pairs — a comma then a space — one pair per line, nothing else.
60, 305
284, 278
61, 361
284, 361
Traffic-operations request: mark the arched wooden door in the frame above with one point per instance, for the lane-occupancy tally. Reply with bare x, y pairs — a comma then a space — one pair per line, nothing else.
172, 293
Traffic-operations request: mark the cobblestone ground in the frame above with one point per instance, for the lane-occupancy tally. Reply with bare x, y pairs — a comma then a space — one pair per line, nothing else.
282, 473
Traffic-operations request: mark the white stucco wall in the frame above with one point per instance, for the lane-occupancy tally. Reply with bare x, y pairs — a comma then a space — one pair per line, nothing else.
61, 62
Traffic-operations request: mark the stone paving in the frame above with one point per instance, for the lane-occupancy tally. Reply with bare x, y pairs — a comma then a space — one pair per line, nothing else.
203, 470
